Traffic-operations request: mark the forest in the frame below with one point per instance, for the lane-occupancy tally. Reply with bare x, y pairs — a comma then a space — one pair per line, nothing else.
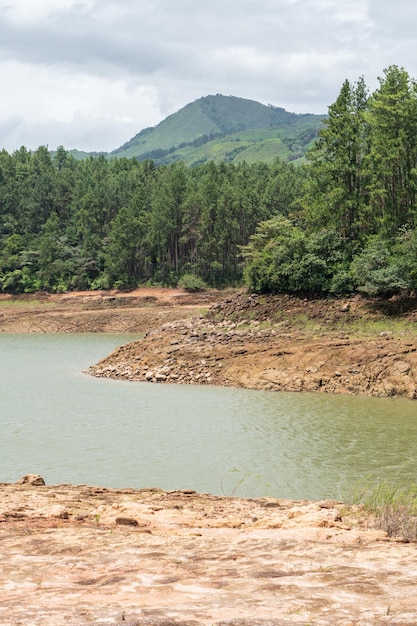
342, 222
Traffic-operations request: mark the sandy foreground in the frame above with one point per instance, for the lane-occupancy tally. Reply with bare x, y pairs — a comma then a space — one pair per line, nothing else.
87, 555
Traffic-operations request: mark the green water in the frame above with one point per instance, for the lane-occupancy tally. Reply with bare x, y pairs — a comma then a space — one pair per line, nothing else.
69, 427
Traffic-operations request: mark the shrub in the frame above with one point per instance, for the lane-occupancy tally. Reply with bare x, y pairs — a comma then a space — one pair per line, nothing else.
377, 272
191, 282
405, 250
391, 508
280, 257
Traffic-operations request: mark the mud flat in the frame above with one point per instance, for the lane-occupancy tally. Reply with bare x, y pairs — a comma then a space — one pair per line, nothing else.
99, 312
83, 555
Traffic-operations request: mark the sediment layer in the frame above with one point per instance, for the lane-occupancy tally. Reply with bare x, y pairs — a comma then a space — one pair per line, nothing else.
270, 355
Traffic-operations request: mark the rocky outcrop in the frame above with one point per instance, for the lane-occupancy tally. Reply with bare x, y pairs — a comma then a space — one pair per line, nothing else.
268, 355
31, 479
79, 555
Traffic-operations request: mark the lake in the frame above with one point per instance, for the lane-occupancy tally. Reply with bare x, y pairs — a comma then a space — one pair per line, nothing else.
69, 427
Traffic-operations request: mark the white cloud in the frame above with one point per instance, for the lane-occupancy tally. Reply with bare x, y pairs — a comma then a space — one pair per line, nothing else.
77, 110
92, 73
25, 11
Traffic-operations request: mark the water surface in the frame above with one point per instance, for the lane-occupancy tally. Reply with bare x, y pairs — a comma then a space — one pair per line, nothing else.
69, 427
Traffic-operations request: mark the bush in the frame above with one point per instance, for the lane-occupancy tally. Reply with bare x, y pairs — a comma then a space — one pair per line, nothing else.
191, 282
376, 272
405, 250
280, 257
342, 283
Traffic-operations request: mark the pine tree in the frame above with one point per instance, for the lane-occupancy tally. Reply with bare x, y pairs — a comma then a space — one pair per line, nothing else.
392, 158
335, 191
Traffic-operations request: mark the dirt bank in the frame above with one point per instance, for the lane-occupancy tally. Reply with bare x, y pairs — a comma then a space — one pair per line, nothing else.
99, 312
86, 555
281, 344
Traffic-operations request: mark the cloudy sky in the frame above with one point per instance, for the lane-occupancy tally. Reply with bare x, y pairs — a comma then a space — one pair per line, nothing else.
90, 74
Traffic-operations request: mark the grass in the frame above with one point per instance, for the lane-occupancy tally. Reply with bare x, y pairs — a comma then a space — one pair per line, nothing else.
245, 325
368, 326
389, 507
360, 327
302, 321
24, 304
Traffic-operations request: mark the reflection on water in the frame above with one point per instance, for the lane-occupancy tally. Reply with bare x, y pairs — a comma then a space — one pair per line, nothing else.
69, 427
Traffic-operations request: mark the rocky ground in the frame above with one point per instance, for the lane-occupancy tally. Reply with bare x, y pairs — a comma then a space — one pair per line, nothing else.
231, 338
81, 555
280, 344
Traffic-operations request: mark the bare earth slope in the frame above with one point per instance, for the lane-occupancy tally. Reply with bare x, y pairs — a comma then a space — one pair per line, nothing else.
281, 344
98, 312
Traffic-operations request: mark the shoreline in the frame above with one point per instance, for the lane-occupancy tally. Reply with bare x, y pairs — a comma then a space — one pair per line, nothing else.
266, 355
229, 338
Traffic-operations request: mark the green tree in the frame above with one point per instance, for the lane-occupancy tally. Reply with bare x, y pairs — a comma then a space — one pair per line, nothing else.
336, 187
167, 205
392, 157
271, 255
376, 271
281, 257
127, 250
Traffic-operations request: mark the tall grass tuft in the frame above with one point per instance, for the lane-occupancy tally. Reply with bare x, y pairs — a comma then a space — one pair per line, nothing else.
389, 507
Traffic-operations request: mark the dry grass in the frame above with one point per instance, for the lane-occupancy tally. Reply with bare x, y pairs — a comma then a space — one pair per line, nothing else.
389, 507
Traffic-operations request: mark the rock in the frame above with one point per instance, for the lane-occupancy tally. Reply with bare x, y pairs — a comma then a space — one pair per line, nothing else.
31, 479
126, 521
198, 562
402, 366
256, 622
327, 504
290, 360
59, 511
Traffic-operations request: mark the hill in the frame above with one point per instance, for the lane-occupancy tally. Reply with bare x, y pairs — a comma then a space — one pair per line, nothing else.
225, 128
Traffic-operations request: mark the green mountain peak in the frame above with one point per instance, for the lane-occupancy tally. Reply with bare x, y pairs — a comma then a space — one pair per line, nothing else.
224, 128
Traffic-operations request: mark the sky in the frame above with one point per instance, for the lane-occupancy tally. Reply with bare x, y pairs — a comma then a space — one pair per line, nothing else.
90, 74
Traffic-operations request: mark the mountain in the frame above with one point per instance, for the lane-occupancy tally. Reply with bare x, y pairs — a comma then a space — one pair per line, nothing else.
225, 128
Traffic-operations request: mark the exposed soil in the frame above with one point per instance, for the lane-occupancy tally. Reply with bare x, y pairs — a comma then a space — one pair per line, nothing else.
98, 312
281, 344
82, 555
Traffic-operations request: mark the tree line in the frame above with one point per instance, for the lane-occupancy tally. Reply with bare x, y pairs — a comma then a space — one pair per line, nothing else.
357, 227
99, 224
344, 221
